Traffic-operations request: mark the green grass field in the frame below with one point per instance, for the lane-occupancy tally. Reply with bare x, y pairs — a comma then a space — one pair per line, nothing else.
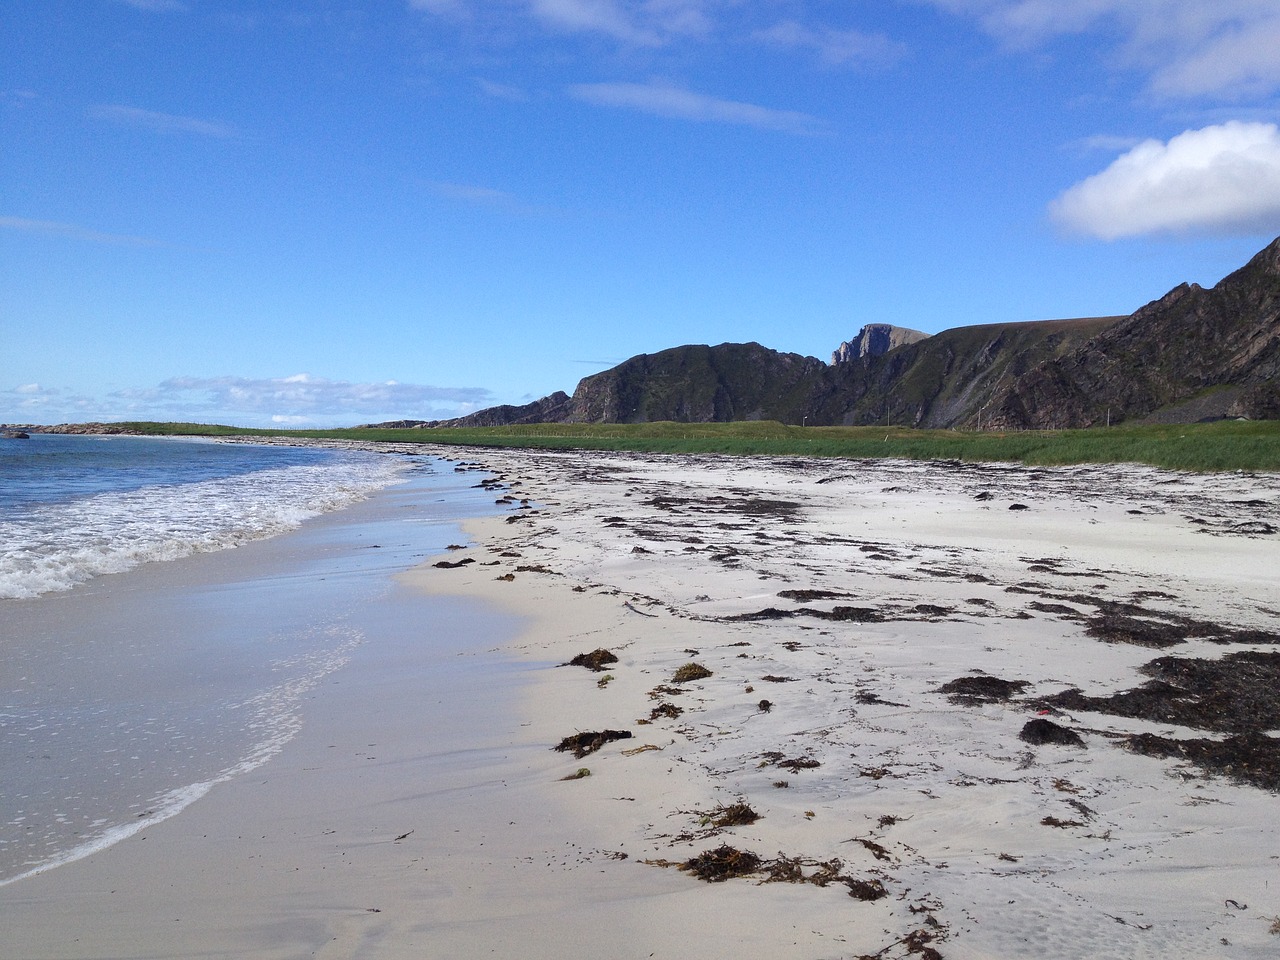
1225, 445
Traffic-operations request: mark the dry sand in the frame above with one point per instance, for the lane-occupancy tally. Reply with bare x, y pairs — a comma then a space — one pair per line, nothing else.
846, 595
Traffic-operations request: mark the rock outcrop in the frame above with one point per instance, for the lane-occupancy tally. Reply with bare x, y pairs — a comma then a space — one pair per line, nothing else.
874, 340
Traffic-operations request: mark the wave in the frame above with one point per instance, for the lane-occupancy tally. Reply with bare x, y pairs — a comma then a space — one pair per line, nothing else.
56, 546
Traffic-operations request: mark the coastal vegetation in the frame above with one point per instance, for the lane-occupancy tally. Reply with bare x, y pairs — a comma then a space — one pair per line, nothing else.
1218, 446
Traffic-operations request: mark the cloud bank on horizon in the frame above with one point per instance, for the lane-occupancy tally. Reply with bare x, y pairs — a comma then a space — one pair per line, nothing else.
202, 197
299, 400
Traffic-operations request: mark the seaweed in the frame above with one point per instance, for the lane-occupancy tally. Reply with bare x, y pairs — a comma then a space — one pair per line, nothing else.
668, 710
590, 741
690, 672
723, 863
972, 691
795, 765
734, 815
1041, 731
1252, 758
726, 862
596, 660
1239, 693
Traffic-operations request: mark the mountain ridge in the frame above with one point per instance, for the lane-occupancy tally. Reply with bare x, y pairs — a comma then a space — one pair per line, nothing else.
1192, 354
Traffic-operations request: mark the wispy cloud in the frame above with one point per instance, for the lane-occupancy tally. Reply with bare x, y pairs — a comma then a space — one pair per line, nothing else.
1221, 179
35, 403
73, 231
1187, 48
305, 395
297, 399
157, 6
502, 91
1105, 142
648, 23
442, 8
667, 100
162, 122
835, 48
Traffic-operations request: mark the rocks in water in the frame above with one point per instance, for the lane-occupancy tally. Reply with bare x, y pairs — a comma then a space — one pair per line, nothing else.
1041, 731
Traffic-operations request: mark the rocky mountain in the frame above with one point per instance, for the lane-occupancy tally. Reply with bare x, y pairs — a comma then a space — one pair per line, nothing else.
949, 379
874, 340
695, 384
1193, 354
550, 409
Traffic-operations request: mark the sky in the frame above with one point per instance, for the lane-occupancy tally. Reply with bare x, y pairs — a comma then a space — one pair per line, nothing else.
313, 213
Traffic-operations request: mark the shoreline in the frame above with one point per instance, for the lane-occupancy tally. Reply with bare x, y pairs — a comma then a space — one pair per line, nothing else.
846, 595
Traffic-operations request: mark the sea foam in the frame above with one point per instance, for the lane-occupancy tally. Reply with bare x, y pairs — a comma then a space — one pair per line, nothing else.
55, 546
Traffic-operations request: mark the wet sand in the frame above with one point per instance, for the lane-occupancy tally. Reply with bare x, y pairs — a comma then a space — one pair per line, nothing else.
422, 810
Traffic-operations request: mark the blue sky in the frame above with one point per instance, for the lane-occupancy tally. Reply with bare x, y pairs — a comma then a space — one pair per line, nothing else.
335, 212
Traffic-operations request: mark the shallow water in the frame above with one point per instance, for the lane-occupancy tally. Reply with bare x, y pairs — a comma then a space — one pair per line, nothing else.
126, 699
73, 508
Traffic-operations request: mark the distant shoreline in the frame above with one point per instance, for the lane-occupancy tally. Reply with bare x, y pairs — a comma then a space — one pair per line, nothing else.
1222, 445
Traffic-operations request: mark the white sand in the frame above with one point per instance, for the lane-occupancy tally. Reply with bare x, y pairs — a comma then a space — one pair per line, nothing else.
668, 547
941, 803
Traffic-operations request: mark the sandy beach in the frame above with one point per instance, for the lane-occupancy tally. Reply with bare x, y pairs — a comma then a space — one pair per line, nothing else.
881, 709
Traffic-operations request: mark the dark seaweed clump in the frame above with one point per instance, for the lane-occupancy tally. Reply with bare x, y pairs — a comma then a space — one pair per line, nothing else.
1252, 758
971, 691
1041, 731
596, 660
1239, 693
590, 741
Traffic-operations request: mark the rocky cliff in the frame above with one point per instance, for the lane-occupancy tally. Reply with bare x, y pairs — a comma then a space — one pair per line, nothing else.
695, 384
874, 340
1193, 354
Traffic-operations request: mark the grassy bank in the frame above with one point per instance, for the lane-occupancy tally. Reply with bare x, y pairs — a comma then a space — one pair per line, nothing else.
1226, 445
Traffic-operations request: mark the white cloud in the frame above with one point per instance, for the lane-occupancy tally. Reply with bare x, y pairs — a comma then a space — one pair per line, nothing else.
1222, 179
667, 100
835, 48
73, 231
1186, 47
304, 395
162, 122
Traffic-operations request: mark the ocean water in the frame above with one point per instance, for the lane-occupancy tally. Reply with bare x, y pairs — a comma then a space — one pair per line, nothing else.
75, 507
169, 609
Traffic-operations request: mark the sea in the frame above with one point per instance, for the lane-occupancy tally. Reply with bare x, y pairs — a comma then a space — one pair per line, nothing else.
169, 606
